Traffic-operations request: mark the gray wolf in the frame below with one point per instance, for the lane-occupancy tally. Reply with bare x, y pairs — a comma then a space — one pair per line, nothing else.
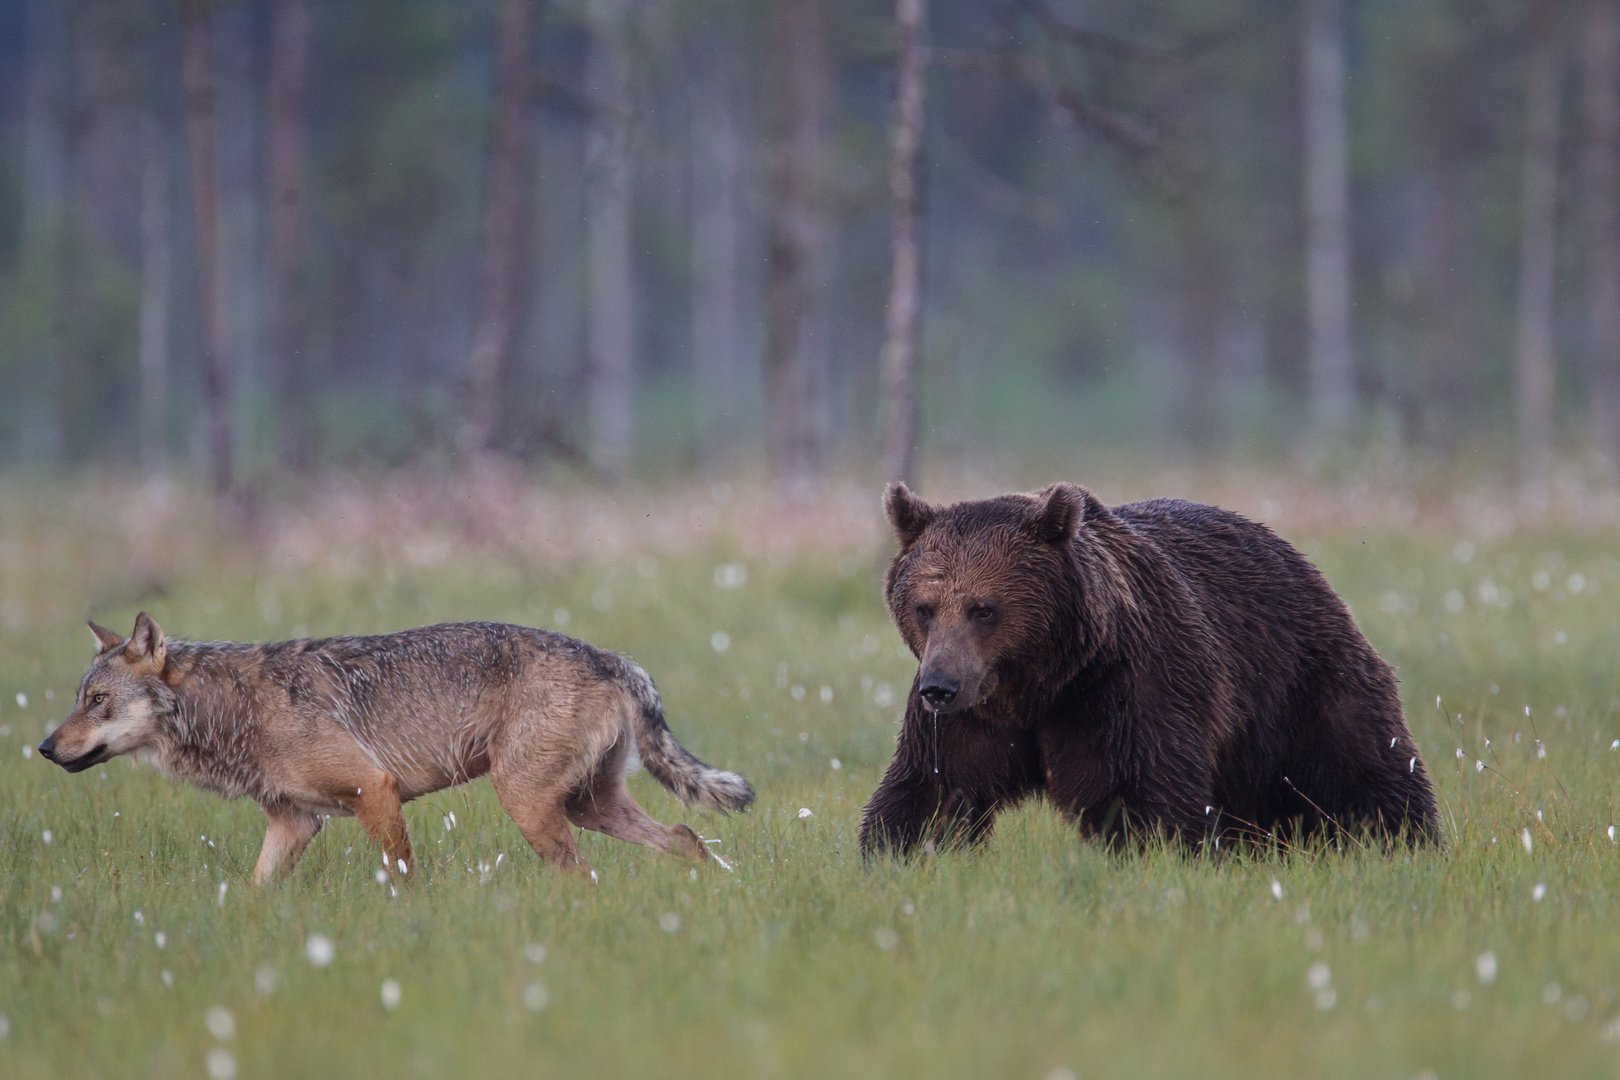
360, 725
1159, 667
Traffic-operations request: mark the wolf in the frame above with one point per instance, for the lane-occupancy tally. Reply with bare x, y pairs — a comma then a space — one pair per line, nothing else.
358, 726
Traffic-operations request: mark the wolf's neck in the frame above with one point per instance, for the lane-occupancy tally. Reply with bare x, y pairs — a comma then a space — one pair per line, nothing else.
211, 733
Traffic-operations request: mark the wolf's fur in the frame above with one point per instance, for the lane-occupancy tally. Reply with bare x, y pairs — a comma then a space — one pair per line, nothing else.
359, 725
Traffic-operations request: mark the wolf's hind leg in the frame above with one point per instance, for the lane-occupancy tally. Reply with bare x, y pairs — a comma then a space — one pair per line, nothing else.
383, 819
289, 834
539, 814
607, 807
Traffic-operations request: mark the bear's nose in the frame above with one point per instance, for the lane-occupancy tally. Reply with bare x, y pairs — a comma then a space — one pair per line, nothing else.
938, 691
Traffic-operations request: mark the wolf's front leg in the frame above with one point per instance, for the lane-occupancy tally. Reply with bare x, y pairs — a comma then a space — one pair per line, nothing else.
381, 815
289, 834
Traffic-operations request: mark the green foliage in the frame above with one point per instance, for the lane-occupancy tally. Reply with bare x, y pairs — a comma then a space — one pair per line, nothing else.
1038, 952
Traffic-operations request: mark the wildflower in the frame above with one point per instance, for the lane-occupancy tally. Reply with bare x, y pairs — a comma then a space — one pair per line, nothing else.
805, 812
221, 1024
391, 994
221, 1064
319, 950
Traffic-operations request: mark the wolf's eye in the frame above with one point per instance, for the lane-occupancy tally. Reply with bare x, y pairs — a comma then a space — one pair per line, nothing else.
98, 699
925, 612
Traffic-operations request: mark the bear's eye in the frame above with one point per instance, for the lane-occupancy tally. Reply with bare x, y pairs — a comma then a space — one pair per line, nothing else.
98, 698
982, 613
925, 612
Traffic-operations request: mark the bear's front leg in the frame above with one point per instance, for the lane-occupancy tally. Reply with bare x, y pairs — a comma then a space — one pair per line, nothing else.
951, 773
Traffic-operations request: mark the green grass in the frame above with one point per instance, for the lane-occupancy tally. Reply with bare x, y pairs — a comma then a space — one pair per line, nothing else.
1036, 953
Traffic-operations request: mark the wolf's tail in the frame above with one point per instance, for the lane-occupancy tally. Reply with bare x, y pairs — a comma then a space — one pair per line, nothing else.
670, 763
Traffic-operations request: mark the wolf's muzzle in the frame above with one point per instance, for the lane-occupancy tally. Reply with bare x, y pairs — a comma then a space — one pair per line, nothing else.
96, 756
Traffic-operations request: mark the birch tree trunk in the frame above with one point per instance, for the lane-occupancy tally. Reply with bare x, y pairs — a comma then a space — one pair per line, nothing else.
289, 48
504, 229
156, 271
45, 181
610, 321
205, 205
795, 361
898, 362
1600, 61
718, 209
1331, 363
1536, 252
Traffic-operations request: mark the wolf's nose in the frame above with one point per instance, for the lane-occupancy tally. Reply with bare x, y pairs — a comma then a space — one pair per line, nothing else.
938, 691
47, 749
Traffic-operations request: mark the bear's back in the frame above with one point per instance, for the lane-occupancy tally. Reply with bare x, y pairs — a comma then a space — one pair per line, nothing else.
1273, 614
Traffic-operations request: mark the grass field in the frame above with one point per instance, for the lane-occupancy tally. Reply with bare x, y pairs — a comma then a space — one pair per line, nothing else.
126, 918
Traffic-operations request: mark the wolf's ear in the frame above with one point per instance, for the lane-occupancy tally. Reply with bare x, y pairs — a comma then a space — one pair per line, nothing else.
106, 640
908, 514
1058, 513
147, 643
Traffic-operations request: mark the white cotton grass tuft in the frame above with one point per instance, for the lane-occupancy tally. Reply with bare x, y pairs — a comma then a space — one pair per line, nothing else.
1318, 976
535, 953
221, 1064
1526, 839
1539, 893
382, 877
264, 980
669, 922
391, 994
535, 997
1276, 890
720, 641
886, 939
224, 887
1485, 967
160, 939
221, 1024
319, 950
805, 812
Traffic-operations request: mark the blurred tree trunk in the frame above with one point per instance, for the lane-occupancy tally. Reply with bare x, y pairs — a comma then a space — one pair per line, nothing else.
610, 327
795, 361
156, 271
45, 179
1599, 172
1536, 239
1331, 363
205, 204
899, 421
289, 326
718, 209
239, 115
504, 230
1202, 308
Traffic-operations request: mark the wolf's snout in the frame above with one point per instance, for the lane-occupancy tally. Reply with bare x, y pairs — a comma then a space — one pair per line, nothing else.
47, 749
938, 691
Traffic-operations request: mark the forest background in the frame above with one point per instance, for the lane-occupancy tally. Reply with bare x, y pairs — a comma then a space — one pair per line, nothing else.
651, 238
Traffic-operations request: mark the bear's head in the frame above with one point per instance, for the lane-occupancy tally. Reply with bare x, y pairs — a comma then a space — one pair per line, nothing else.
986, 593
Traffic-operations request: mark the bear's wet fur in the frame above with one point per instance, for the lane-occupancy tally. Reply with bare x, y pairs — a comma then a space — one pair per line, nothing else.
1160, 667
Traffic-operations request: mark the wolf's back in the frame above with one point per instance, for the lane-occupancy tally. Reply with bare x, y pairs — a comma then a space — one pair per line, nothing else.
670, 763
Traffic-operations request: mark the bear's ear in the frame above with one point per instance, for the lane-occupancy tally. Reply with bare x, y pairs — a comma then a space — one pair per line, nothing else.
1058, 512
106, 640
908, 514
147, 643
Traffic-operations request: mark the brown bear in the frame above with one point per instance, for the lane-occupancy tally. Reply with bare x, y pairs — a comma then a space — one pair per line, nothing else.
1155, 668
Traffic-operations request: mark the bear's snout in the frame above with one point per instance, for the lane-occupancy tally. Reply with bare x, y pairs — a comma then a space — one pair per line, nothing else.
938, 690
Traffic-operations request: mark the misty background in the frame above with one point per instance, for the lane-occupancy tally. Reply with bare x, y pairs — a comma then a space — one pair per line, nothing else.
650, 238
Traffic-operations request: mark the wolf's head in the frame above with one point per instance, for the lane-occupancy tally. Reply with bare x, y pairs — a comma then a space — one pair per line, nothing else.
119, 700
